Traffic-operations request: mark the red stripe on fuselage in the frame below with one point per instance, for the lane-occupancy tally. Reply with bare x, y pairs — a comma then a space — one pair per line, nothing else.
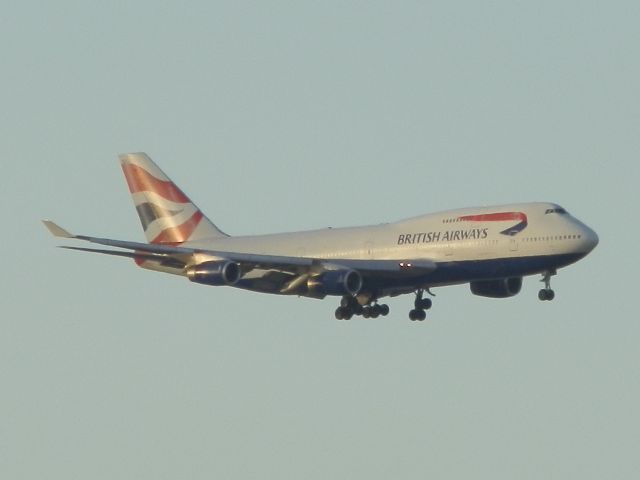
495, 217
181, 233
139, 180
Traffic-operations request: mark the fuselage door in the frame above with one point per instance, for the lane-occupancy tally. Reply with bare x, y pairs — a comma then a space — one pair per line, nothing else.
368, 249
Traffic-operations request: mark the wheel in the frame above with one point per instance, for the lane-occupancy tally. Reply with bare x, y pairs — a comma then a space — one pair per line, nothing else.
426, 303
366, 312
344, 313
384, 310
413, 315
421, 315
546, 294
423, 303
376, 310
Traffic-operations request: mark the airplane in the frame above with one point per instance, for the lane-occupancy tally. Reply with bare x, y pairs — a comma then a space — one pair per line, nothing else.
489, 248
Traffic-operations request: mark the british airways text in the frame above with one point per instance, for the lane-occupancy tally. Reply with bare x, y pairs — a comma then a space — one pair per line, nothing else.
447, 236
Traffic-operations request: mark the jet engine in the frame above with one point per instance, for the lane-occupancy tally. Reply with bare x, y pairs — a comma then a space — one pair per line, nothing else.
335, 282
502, 288
215, 273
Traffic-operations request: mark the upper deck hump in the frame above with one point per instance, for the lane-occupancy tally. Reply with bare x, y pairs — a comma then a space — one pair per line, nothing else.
527, 208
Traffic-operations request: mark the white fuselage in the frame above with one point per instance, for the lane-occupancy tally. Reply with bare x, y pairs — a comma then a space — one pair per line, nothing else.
545, 234
549, 238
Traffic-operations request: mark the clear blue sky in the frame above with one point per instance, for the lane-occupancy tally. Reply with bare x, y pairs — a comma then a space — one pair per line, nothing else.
292, 115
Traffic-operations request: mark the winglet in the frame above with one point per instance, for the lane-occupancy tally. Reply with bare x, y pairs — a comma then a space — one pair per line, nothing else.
56, 230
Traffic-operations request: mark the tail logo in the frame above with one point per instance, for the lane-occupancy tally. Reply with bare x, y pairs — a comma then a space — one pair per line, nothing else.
166, 213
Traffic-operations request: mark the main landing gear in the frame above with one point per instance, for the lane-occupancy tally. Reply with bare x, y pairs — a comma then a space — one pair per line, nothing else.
546, 293
349, 307
421, 304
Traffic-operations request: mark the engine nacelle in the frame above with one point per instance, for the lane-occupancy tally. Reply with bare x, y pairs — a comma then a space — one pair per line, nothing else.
502, 288
335, 282
215, 273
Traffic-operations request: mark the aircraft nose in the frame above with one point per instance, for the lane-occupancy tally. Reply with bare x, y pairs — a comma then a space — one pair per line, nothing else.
590, 238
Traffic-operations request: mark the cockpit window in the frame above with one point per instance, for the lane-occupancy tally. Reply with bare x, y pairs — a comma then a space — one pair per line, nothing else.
559, 210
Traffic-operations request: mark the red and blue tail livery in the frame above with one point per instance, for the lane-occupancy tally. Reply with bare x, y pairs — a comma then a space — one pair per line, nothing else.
492, 253
519, 217
167, 215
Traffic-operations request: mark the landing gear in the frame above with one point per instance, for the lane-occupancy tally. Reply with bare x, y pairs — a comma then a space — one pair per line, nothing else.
349, 307
374, 311
420, 304
546, 293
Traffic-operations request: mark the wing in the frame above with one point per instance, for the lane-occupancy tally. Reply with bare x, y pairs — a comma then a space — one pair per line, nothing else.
157, 251
296, 270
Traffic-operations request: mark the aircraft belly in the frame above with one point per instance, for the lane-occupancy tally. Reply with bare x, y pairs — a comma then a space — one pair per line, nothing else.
449, 273
461, 272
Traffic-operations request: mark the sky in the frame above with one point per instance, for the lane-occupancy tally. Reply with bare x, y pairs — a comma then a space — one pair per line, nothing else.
282, 116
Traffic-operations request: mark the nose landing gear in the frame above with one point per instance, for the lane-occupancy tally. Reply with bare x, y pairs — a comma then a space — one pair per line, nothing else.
546, 293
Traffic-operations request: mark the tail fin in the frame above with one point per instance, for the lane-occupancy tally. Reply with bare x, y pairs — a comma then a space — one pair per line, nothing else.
167, 215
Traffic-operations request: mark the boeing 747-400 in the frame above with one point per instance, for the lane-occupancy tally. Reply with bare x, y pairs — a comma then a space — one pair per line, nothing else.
490, 248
